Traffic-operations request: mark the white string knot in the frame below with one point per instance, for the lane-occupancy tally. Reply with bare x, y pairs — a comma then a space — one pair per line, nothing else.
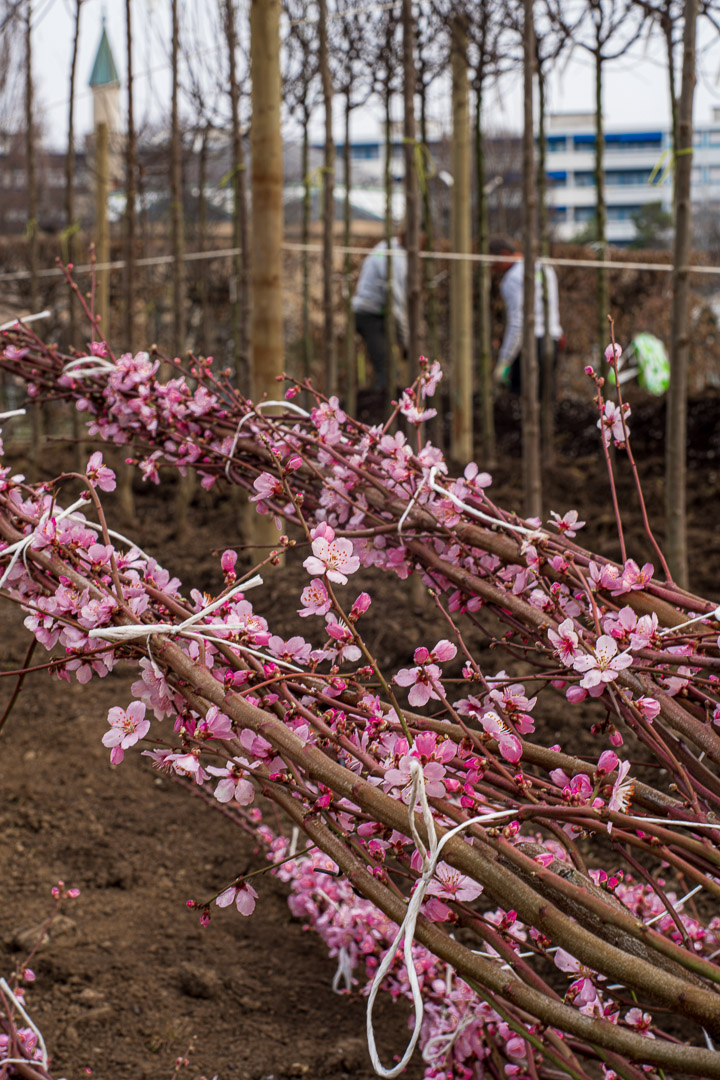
253, 412
188, 628
406, 933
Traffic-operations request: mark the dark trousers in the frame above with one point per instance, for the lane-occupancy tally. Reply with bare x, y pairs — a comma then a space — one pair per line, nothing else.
371, 329
516, 369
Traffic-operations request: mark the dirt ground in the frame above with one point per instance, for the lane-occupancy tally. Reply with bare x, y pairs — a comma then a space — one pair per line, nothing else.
128, 978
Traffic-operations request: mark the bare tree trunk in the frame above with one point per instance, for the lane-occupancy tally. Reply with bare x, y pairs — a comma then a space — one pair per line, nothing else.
390, 329
603, 287
329, 344
178, 237
32, 203
202, 224
351, 379
267, 217
71, 227
36, 417
239, 305
102, 237
412, 209
435, 426
532, 481
461, 446
667, 32
306, 215
186, 483
267, 177
487, 418
70, 180
548, 363
130, 185
675, 461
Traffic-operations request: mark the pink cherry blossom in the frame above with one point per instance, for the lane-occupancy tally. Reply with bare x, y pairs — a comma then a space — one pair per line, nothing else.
98, 474
267, 487
126, 727
603, 665
568, 524
613, 353
450, 884
430, 377
334, 558
565, 642
243, 896
613, 423
412, 412
424, 681
648, 707
315, 599
232, 786
622, 790
509, 745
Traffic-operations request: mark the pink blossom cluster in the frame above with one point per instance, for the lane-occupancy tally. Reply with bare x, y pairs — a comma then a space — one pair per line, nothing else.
318, 724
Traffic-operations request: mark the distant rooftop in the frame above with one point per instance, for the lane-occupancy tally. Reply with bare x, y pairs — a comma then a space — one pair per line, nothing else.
104, 72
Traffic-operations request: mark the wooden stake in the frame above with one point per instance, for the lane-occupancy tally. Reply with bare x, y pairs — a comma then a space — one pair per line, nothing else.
461, 443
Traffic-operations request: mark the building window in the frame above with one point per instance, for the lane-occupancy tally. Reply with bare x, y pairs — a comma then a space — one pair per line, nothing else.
584, 179
556, 143
622, 213
714, 172
627, 176
584, 214
714, 138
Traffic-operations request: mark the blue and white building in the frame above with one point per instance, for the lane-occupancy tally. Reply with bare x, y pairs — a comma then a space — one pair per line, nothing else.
638, 170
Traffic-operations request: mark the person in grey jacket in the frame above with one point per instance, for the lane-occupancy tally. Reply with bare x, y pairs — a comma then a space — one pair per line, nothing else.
370, 304
510, 265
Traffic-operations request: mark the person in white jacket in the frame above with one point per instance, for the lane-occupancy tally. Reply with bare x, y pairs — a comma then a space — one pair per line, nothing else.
509, 263
370, 304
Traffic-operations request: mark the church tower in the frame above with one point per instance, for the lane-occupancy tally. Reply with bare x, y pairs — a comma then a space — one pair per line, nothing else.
105, 86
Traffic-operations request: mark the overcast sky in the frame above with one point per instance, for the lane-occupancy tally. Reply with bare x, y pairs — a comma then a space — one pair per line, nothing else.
635, 86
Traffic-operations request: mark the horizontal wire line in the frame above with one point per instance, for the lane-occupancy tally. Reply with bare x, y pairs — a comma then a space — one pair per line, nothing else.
449, 256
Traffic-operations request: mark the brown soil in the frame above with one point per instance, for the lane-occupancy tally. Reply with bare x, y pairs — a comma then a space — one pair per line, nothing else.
128, 978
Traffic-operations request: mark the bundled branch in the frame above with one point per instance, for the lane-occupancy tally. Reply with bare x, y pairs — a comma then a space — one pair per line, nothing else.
450, 813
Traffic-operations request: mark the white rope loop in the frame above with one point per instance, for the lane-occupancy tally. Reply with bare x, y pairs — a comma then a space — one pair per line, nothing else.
406, 933
20, 546
86, 366
41, 1042
25, 319
477, 513
289, 405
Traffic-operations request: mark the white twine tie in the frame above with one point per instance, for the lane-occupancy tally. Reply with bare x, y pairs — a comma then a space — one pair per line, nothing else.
406, 932
20, 547
184, 629
25, 319
41, 1042
86, 366
254, 412
477, 513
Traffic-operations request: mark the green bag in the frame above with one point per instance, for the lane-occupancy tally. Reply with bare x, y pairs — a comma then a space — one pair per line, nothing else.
647, 358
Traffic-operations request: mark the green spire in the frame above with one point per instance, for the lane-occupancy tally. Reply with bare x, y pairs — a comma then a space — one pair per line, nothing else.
104, 72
